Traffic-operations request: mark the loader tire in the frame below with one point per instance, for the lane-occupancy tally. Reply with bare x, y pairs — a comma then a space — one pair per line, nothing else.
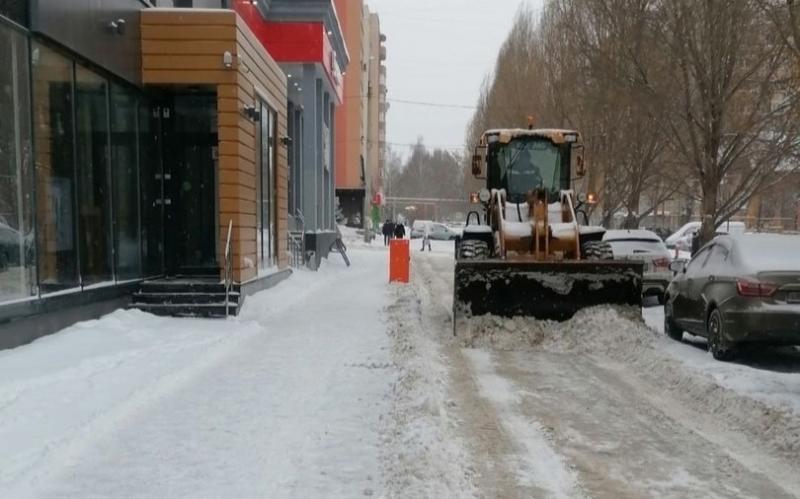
597, 250
473, 249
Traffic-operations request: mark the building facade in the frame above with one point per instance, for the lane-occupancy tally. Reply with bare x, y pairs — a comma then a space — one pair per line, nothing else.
359, 183
133, 138
305, 38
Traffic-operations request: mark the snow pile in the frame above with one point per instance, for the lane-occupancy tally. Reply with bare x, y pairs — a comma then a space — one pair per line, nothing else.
424, 456
522, 333
614, 334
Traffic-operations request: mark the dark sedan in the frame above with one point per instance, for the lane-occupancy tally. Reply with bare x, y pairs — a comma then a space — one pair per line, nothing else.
737, 290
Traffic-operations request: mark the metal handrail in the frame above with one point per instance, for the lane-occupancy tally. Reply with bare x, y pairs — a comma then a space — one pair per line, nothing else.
228, 268
300, 222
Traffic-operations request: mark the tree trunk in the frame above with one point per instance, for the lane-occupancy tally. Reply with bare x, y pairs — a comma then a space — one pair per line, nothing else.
632, 218
709, 209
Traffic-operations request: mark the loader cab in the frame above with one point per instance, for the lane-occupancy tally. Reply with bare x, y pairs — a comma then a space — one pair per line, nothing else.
522, 163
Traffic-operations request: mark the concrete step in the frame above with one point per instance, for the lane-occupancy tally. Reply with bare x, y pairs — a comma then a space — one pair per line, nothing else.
187, 310
184, 298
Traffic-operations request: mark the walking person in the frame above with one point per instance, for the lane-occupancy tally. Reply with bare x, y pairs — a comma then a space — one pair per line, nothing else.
426, 236
399, 231
388, 231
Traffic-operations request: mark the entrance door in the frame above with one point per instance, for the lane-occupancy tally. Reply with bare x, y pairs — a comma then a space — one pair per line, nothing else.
190, 143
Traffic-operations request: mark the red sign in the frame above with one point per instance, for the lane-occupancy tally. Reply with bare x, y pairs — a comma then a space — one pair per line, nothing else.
294, 42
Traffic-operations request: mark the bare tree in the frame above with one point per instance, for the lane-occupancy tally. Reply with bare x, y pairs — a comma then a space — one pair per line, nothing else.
673, 97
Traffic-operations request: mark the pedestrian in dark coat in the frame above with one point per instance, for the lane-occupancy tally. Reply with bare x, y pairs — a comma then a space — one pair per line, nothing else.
399, 231
388, 231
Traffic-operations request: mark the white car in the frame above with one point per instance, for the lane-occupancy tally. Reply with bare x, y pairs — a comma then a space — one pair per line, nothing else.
681, 234
683, 237
438, 231
644, 245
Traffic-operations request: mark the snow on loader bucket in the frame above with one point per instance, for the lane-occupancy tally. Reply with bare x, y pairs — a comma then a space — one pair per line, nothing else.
550, 290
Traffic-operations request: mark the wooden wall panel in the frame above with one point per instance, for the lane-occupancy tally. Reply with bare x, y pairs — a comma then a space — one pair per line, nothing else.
187, 47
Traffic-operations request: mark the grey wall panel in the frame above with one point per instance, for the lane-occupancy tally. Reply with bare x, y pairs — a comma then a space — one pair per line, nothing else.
85, 26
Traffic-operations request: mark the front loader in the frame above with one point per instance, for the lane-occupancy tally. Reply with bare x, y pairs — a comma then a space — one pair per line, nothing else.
525, 252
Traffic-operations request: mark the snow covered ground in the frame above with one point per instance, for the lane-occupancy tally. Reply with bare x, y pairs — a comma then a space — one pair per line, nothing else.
337, 384
768, 374
602, 406
287, 400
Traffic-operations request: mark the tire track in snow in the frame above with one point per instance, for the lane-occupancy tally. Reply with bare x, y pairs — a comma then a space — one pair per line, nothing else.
511, 451
537, 464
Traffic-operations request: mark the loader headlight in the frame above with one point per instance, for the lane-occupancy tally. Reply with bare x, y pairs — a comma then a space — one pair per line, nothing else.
484, 195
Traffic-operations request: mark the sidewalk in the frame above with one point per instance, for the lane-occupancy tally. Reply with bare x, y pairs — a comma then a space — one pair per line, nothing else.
286, 400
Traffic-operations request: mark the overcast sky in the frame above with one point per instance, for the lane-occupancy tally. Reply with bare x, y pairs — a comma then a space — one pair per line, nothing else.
439, 51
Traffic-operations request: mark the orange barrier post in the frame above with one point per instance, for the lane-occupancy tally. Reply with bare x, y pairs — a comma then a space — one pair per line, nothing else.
399, 260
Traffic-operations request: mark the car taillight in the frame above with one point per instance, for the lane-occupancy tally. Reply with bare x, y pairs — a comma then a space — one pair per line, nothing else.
751, 288
661, 263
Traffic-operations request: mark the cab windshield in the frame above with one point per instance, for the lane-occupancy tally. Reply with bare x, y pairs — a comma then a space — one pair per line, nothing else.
523, 165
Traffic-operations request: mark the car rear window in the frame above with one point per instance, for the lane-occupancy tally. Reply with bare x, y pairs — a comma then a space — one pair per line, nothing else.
637, 245
769, 252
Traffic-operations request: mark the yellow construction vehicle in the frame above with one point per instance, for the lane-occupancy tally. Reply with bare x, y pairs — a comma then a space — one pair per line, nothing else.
528, 250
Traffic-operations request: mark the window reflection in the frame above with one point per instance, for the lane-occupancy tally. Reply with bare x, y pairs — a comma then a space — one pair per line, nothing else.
17, 269
55, 175
124, 110
94, 207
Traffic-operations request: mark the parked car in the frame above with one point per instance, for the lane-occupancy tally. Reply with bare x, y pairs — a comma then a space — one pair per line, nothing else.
644, 245
438, 231
418, 228
688, 232
737, 290
456, 227
685, 230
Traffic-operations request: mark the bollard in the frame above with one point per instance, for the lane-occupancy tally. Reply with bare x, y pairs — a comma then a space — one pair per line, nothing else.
399, 260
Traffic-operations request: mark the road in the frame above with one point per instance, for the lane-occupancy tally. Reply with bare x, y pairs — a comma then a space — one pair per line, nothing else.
560, 420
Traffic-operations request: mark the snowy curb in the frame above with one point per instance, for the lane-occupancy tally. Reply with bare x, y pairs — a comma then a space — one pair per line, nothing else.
424, 456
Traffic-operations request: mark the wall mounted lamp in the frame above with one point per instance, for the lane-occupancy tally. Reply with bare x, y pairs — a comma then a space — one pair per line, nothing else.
227, 59
117, 27
252, 113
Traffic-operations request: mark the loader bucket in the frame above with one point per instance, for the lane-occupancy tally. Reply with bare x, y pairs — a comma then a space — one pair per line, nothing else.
543, 290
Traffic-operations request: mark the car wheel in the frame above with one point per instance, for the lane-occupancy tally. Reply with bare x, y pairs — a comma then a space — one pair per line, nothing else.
670, 328
720, 349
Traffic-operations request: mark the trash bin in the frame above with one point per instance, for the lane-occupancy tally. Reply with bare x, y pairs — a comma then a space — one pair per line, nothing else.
399, 260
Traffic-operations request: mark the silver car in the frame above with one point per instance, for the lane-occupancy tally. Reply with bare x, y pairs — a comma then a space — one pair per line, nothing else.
644, 245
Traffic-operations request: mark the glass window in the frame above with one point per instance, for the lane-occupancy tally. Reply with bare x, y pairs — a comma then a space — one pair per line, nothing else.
17, 268
291, 161
124, 146
266, 189
523, 165
94, 200
55, 170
